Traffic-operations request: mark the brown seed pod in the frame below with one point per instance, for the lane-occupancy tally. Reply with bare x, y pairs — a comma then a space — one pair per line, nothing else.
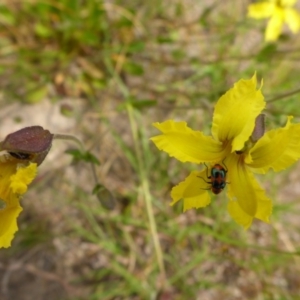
259, 129
29, 143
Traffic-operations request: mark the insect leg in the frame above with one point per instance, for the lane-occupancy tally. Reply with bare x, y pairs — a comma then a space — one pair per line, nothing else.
223, 163
204, 180
207, 171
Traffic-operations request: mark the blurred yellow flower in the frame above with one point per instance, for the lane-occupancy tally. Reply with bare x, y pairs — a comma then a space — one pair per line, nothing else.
233, 123
279, 12
14, 179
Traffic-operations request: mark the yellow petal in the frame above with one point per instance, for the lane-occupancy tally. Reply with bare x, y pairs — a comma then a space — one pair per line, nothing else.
193, 191
8, 224
261, 10
22, 178
277, 149
13, 183
288, 3
292, 18
236, 111
244, 189
7, 169
185, 144
238, 214
274, 26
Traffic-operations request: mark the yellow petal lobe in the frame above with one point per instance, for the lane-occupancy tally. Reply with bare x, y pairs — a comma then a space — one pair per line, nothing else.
287, 3
274, 26
236, 111
238, 214
277, 149
185, 144
193, 191
261, 10
245, 190
23, 178
292, 18
8, 224
13, 183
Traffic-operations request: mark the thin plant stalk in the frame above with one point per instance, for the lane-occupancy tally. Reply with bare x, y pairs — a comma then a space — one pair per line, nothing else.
143, 177
68, 137
288, 94
147, 195
74, 139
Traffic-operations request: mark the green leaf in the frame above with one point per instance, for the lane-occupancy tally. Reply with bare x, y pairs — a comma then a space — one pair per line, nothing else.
124, 22
104, 196
133, 69
42, 31
137, 103
83, 156
6, 16
136, 47
267, 53
164, 40
37, 95
203, 20
67, 110
178, 54
89, 157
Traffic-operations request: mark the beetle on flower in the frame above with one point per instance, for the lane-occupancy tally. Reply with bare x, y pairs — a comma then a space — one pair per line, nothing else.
233, 124
218, 179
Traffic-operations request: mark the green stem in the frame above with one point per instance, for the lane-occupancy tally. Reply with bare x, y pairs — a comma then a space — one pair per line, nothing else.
147, 195
67, 137
283, 96
143, 177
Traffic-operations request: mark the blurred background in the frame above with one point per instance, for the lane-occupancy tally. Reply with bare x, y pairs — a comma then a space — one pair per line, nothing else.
104, 71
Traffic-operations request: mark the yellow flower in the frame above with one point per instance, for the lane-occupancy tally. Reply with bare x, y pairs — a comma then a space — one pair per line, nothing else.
230, 146
14, 179
279, 12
